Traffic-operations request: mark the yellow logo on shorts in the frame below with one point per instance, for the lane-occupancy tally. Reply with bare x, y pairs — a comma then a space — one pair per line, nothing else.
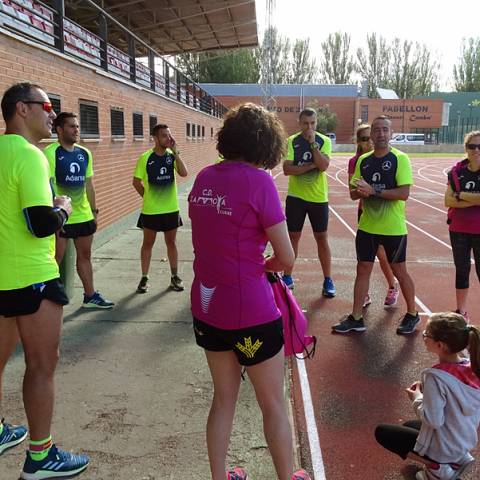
248, 349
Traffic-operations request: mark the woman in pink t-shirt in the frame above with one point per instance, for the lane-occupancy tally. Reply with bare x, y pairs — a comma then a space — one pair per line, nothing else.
235, 211
364, 145
463, 199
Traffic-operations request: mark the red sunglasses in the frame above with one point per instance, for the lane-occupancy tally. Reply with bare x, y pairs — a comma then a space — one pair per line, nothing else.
47, 106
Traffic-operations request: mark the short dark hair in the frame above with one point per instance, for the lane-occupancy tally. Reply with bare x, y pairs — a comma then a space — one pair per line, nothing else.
254, 134
307, 112
382, 117
20, 92
61, 118
156, 128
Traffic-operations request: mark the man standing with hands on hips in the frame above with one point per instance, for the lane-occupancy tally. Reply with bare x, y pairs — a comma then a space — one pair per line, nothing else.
72, 174
308, 157
382, 179
154, 180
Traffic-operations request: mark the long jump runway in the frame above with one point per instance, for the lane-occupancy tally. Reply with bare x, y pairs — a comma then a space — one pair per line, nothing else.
357, 381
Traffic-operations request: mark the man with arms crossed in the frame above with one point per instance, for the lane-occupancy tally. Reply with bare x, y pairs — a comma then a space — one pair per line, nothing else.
31, 295
307, 160
72, 174
154, 180
382, 179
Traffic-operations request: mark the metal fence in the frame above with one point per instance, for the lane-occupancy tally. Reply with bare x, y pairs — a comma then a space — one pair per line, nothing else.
453, 133
140, 64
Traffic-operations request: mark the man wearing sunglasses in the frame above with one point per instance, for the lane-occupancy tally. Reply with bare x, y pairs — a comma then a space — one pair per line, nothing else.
382, 179
72, 174
31, 295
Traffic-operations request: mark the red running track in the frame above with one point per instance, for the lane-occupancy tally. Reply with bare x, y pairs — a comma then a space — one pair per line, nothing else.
358, 380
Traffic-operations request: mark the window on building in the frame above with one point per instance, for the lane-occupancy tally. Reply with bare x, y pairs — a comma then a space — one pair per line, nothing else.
203, 131
152, 122
57, 108
364, 114
89, 119
117, 122
194, 130
211, 132
187, 126
138, 124
199, 133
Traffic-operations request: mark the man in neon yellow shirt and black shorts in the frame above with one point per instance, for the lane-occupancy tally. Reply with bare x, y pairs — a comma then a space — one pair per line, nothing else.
154, 180
71, 170
31, 294
382, 179
308, 157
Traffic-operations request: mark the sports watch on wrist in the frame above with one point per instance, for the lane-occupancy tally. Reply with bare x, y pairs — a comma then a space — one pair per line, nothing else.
377, 190
315, 146
95, 211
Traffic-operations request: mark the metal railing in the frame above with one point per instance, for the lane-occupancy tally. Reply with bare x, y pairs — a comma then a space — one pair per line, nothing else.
48, 24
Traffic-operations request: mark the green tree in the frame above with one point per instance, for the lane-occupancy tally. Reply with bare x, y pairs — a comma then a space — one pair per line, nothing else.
273, 56
337, 64
302, 68
467, 71
326, 119
232, 66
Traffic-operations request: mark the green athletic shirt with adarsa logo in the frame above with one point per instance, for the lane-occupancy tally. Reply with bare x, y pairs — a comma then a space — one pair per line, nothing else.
69, 172
157, 173
380, 216
311, 186
25, 180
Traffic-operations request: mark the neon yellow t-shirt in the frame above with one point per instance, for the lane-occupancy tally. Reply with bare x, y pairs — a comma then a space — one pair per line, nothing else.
380, 216
157, 173
25, 180
69, 172
311, 186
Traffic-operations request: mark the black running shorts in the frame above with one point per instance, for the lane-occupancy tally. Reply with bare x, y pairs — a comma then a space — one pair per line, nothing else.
367, 245
251, 345
75, 230
297, 209
26, 301
162, 222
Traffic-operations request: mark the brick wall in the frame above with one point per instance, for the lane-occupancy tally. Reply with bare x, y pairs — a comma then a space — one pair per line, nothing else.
114, 160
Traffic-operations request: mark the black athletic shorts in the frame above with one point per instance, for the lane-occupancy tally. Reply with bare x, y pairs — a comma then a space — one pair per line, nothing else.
162, 222
75, 230
26, 301
297, 209
251, 345
367, 245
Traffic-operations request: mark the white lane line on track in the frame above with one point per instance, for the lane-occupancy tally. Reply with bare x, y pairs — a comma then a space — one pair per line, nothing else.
428, 190
420, 174
424, 308
313, 437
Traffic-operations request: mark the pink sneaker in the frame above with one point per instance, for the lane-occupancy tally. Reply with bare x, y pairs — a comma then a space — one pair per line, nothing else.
392, 296
237, 473
301, 475
367, 300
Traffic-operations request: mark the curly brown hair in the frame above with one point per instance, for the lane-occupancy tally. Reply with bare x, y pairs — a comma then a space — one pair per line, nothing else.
252, 134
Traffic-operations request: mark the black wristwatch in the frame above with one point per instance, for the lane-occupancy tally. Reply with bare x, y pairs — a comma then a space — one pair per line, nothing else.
95, 211
377, 190
457, 196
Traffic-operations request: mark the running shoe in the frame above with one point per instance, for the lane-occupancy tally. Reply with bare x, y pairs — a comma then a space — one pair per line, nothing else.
288, 281
143, 285
237, 473
11, 435
408, 324
349, 324
367, 300
57, 464
392, 296
97, 301
176, 283
328, 289
464, 314
301, 475
444, 472
463, 466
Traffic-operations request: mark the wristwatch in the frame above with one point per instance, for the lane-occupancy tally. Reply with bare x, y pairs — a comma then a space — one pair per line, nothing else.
457, 196
315, 146
95, 211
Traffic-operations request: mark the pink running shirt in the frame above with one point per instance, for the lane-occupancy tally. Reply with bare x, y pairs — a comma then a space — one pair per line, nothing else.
230, 206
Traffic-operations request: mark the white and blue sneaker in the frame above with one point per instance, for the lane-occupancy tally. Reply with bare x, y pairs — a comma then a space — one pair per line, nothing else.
288, 281
11, 435
57, 464
97, 301
328, 289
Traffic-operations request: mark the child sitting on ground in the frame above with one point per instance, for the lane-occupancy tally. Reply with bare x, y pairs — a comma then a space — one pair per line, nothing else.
446, 401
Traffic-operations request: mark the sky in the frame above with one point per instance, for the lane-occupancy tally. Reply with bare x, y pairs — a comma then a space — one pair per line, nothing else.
438, 25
